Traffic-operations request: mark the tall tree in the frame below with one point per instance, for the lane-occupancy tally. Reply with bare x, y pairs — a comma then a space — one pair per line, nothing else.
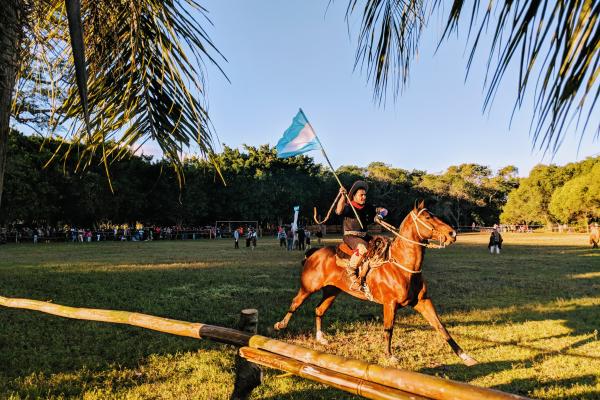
579, 198
142, 79
555, 194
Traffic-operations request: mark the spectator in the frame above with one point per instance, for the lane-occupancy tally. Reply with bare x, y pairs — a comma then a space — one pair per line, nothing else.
301, 239
236, 239
307, 239
290, 240
282, 238
319, 235
594, 235
249, 237
495, 243
253, 238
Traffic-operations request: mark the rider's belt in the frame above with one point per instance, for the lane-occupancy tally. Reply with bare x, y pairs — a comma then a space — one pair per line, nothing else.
355, 233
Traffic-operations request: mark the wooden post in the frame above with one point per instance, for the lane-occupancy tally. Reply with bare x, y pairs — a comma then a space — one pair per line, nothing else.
247, 375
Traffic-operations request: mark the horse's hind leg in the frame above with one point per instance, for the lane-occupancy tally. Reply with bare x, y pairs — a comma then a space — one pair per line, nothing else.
329, 295
296, 303
427, 310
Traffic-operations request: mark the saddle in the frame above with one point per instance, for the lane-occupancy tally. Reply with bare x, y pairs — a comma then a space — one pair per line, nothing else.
376, 255
377, 249
343, 251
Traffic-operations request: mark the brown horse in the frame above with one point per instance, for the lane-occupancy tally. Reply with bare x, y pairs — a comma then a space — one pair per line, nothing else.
398, 282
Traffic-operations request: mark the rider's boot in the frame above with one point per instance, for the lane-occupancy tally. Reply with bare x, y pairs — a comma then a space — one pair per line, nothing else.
354, 263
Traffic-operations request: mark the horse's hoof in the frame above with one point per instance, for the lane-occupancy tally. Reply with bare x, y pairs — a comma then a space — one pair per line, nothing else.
279, 326
468, 360
321, 339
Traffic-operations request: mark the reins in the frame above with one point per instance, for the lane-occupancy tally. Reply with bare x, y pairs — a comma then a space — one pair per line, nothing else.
415, 218
328, 212
390, 227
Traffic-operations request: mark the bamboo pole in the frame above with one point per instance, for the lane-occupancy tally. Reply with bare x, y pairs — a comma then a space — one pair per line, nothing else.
347, 383
175, 327
408, 381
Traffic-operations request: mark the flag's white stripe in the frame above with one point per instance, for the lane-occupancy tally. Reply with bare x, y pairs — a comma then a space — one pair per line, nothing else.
304, 137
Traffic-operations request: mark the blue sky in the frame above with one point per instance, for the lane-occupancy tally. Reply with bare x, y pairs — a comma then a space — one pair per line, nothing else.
283, 55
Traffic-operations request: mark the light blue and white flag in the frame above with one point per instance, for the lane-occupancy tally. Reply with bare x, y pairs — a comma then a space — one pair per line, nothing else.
298, 138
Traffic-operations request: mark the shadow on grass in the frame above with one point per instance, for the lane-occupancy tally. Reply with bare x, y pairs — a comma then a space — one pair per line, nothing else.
461, 278
524, 386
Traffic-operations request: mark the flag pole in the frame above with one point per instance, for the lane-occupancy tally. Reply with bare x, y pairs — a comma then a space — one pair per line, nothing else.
332, 169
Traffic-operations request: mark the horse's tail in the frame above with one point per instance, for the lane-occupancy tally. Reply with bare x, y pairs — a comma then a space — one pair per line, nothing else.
308, 253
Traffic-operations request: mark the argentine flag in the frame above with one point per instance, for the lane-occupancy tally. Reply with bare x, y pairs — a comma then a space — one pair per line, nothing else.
298, 138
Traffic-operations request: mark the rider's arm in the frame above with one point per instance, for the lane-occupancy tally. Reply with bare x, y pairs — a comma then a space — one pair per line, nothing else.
341, 202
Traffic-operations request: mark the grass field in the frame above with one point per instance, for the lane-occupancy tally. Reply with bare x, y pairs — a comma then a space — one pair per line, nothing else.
530, 316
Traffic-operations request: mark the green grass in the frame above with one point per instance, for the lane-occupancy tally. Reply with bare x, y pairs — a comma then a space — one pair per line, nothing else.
530, 316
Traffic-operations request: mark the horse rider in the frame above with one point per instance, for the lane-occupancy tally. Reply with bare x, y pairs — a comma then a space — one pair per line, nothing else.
356, 236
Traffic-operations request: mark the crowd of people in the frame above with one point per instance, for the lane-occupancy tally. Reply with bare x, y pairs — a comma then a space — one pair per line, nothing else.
297, 239
138, 232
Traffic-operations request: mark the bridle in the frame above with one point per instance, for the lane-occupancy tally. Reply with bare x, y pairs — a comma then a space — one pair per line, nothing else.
417, 221
395, 231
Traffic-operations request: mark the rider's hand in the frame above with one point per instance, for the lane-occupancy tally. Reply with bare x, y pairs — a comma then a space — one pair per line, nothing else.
381, 213
343, 191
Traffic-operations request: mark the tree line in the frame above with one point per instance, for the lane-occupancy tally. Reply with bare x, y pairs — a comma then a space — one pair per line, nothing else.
253, 184
555, 194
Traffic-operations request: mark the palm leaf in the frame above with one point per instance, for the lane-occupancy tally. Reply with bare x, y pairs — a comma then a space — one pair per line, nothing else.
388, 41
145, 79
559, 41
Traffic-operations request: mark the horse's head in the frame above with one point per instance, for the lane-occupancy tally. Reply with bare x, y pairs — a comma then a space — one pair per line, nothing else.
429, 226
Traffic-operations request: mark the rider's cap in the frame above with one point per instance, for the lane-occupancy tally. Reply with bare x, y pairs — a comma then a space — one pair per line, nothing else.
356, 186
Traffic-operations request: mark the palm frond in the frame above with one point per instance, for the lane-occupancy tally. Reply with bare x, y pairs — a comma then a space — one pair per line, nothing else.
388, 41
557, 40
142, 83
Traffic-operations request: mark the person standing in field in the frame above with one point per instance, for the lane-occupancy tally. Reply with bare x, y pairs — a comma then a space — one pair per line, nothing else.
319, 235
594, 235
495, 243
282, 237
290, 240
301, 239
236, 239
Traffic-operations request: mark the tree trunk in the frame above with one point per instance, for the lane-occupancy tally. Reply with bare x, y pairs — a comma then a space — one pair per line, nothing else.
11, 33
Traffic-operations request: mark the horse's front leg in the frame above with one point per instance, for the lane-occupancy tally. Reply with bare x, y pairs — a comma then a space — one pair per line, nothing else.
389, 315
427, 310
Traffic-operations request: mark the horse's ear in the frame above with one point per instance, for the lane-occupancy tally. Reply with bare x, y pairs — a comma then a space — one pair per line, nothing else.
421, 204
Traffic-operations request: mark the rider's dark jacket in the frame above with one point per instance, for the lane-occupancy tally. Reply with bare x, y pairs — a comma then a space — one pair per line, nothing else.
366, 214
